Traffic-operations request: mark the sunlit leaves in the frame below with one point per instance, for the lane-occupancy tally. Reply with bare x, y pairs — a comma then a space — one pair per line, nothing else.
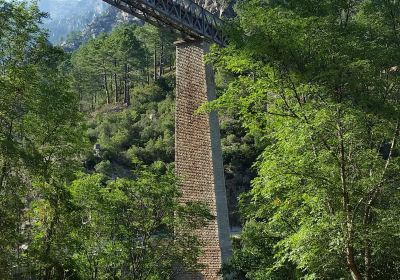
314, 81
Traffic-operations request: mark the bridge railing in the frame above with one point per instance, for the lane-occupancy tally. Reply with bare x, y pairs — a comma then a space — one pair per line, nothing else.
183, 15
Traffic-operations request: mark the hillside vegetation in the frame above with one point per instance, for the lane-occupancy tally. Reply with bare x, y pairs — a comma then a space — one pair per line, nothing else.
308, 98
68, 211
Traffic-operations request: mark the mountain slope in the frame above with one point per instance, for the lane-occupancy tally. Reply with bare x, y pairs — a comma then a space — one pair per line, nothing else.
102, 23
66, 16
73, 22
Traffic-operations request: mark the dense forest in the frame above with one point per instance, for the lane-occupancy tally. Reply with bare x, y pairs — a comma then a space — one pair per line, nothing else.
308, 96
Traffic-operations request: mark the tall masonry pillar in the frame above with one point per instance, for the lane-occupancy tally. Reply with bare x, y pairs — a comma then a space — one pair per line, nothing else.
198, 155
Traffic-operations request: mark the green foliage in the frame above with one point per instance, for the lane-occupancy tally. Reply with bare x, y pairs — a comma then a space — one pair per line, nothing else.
41, 137
133, 229
143, 134
316, 83
240, 150
106, 68
122, 218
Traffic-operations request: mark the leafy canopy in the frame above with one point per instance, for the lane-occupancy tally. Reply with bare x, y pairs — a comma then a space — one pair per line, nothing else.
317, 82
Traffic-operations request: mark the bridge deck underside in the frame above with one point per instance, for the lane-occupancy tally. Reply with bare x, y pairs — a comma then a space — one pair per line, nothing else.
183, 15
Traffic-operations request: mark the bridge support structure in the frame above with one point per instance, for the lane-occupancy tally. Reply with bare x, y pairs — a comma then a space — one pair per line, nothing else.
198, 155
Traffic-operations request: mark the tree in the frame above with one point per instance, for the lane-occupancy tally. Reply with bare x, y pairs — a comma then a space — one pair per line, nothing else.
318, 83
158, 43
129, 53
109, 64
134, 229
40, 140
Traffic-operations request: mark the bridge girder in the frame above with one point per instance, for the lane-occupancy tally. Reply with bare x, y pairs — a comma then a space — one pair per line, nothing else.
190, 19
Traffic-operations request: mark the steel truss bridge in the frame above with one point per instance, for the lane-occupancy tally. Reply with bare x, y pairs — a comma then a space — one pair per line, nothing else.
192, 20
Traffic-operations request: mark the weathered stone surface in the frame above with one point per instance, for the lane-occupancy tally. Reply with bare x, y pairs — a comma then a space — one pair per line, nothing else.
218, 7
198, 154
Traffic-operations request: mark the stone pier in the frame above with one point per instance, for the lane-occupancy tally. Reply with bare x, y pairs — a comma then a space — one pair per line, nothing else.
198, 154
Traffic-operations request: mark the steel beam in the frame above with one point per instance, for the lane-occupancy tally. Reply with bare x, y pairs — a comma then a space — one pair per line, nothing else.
183, 15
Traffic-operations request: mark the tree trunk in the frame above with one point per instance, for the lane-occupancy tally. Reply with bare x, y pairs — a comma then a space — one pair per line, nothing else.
3, 174
162, 59
148, 67
116, 81
95, 99
111, 85
368, 259
106, 88
128, 101
348, 227
351, 264
121, 88
48, 239
155, 62
126, 86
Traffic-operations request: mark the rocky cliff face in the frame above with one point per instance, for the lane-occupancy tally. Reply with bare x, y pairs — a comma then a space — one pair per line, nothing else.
66, 16
73, 22
218, 7
101, 23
